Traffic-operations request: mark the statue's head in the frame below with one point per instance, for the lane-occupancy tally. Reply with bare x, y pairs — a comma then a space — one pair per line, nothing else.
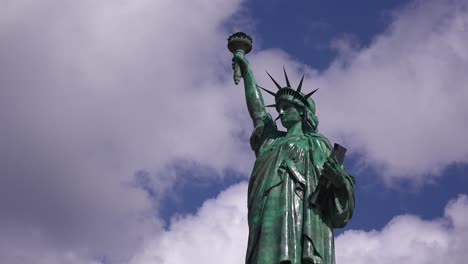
293, 106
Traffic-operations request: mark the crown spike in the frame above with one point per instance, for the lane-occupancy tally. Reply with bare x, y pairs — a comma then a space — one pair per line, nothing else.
311, 93
268, 91
277, 85
272, 105
286, 77
300, 84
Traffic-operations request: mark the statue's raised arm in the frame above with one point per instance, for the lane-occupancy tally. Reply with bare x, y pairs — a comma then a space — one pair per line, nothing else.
240, 44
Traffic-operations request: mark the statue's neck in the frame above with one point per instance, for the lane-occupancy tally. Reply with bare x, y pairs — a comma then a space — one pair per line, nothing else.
295, 130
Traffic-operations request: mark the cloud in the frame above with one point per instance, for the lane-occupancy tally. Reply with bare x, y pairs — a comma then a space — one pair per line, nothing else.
410, 239
401, 100
218, 231
30, 245
93, 91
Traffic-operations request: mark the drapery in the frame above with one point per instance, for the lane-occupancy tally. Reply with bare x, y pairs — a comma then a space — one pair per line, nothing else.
284, 226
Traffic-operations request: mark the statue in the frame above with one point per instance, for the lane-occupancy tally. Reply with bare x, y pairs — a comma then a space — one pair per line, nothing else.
299, 190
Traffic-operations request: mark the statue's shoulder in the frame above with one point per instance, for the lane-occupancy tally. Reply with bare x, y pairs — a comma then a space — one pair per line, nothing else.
316, 138
264, 133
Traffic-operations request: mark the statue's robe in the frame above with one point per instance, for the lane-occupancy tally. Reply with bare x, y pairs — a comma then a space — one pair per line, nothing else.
284, 225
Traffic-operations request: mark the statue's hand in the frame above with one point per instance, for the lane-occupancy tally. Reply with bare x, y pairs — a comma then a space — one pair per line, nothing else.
239, 59
332, 171
283, 167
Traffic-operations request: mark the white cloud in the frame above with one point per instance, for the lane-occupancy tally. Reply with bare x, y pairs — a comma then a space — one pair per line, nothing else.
401, 100
91, 92
410, 239
218, 231
29, 245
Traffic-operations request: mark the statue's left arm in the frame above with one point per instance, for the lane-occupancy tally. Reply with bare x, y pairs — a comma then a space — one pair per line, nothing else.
340, 193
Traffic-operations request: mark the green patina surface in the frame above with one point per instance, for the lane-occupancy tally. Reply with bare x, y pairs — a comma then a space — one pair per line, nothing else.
298, 192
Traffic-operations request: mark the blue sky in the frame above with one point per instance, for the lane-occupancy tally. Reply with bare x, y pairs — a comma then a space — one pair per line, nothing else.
306, 29
125, 140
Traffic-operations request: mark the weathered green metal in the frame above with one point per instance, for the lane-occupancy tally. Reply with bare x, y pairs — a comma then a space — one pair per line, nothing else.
299, 190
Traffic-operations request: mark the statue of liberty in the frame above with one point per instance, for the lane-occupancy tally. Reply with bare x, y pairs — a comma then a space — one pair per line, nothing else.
299, 190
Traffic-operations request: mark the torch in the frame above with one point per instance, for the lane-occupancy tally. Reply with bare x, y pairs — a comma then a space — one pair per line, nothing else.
239, 42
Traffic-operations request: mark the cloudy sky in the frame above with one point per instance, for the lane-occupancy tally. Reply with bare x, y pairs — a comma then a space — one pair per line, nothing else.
123, 138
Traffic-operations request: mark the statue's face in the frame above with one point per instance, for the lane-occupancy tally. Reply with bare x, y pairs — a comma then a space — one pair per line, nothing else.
289, 113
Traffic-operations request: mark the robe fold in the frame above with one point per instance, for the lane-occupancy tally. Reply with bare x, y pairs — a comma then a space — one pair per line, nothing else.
285, 226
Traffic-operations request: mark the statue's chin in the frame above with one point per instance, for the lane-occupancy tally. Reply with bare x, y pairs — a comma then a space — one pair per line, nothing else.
287, 124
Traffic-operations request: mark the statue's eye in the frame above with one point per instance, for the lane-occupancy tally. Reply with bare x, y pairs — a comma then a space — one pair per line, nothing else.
285, 106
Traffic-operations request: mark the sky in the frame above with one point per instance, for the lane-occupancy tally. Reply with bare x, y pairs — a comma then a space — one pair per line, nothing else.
125, 140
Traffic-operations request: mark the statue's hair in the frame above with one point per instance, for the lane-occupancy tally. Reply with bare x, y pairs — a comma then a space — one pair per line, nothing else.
309, 121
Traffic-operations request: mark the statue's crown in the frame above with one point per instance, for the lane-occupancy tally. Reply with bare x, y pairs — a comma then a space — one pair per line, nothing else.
289, 93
